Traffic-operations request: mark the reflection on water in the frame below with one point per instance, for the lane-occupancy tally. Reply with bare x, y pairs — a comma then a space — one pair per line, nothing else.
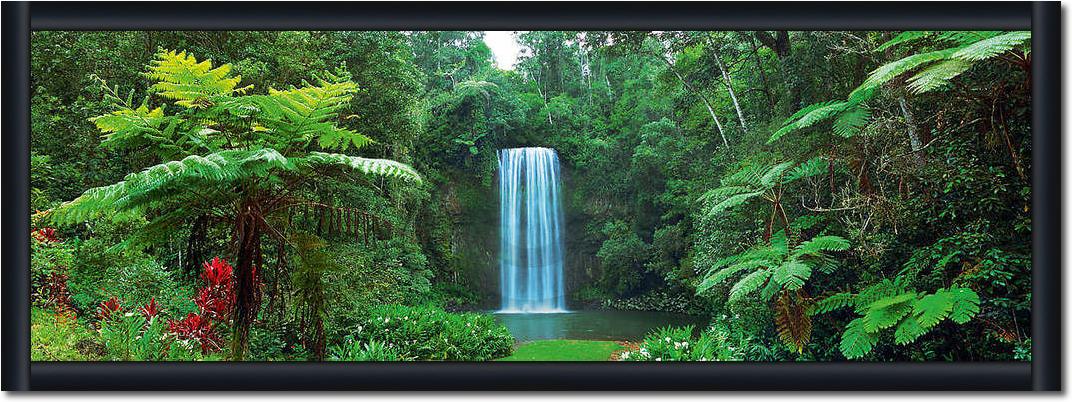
593, 324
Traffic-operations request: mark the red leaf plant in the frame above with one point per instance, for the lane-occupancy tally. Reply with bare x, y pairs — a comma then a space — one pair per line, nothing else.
46, 235
197, 328
217, 298
109, 309
150, 310
214, 301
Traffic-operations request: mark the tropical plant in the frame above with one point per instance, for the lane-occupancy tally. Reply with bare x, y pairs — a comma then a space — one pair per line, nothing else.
890, 304
767, 182
680, 344
780, 268
235, 158
352, 350
958, 52
429, 333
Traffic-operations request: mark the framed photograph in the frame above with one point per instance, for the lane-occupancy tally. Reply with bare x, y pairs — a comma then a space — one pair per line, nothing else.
532, 196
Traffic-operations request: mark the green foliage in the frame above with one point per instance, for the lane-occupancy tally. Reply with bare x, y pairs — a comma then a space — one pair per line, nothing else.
131, 337
754, 181
889, 304
942, 66
59, 337
774, 266
428, 333
680, 344
353, 351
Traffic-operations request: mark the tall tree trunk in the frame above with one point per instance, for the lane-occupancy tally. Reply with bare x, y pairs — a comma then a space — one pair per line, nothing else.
707, 104
762, 71
729, 87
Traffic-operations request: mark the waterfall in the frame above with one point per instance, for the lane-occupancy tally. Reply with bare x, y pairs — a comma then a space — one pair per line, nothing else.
530, 237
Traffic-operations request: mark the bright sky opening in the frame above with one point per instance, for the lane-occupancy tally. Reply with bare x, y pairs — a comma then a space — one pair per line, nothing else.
504, 46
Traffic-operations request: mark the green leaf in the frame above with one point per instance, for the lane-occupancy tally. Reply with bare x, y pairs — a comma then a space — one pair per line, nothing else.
965, 305
792, 274
908, 331
819, 244
933, 308
833, 302
885, 313
750, 283
855, 341
990, 47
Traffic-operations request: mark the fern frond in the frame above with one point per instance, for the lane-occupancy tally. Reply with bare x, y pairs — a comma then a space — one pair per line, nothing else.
965, 305
904, 37
812, 167
833, 302
774, 173
381, 167
891, 70
908, 331
937, 76
887, 312
792, 321
819, 244
732, 202
933, 308
857, 342
792, 274
191, 83
722, 275
851, 121
990, 47
750, 283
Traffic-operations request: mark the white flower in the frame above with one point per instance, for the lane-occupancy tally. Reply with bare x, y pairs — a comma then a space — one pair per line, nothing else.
685, 344
668, 339
625, 355
658, 359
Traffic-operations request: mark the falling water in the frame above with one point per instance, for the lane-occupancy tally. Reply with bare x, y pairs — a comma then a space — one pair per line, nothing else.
530, 231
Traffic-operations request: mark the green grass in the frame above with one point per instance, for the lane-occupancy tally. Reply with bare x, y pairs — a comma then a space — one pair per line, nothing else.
55, 338
563, 350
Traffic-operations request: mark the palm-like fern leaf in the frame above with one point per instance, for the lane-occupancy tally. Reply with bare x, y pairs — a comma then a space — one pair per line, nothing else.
189, 82
993, 46
937, 76
381, 167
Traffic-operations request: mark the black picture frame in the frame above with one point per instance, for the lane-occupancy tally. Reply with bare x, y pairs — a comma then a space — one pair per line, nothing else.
1043, 373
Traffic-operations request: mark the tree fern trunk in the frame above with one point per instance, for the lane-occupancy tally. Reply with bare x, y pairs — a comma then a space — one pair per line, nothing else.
247, 298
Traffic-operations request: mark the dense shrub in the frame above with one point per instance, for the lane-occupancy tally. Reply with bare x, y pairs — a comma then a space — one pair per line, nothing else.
679, 344
659, 300
100, 272
396, 274
429, 333
137, 337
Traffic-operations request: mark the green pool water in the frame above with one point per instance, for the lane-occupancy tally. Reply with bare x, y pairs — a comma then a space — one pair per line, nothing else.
593, 324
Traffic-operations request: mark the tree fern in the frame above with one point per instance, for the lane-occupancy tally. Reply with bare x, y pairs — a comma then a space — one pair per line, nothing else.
888, 304
235, 157
962, 50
